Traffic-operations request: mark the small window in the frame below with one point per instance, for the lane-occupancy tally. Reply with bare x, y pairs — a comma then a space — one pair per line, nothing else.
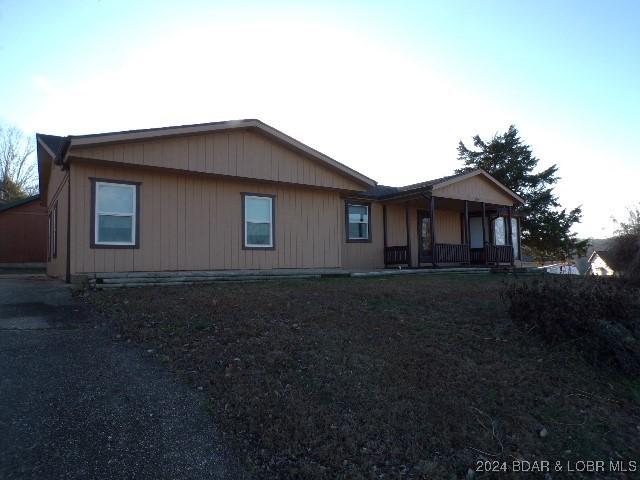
358, 222
115, 214
258, 221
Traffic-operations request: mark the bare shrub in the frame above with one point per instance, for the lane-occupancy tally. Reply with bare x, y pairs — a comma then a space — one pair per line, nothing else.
598, 315
625, 251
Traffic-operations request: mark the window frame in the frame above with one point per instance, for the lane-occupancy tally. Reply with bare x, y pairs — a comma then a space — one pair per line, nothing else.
135, 223
272, 198
355, 203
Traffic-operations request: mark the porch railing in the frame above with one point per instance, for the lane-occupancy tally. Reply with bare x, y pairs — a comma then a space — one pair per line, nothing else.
498, 253
492, 254
451, 253
477, 255
396, 255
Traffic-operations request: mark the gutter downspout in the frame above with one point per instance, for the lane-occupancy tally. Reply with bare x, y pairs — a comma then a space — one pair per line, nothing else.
67, 277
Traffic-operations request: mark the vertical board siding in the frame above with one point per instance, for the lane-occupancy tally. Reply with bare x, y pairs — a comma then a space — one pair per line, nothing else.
477, 189
396, 225
57, 267
448, 227
189, 222
365, 255
241, 153
23, 233
58, 191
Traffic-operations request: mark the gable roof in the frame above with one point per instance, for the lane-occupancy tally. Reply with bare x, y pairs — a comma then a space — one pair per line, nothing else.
57, 147
247, 124
382, 192
18, 203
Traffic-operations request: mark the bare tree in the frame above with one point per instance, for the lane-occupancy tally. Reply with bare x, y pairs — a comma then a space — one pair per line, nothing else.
630, 226
18, 173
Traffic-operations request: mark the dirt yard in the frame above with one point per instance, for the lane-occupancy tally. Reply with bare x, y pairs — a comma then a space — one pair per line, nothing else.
401, 377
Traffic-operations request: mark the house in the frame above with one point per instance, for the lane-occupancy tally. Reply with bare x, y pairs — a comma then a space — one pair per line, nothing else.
602, 262
23, 232
241, 195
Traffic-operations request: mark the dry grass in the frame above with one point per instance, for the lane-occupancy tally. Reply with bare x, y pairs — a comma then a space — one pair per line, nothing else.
414, 377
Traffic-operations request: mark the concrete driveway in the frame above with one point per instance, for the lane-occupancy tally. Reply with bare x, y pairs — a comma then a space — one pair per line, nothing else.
76, 402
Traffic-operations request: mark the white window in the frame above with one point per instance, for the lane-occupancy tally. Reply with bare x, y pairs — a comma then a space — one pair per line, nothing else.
515, 237
258, 221
358, 222
500, 231
115, 214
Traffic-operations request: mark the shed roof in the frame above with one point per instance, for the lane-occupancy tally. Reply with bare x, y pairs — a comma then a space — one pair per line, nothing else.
18, 203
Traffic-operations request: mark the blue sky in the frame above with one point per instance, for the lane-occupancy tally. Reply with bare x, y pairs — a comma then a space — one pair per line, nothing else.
385, 87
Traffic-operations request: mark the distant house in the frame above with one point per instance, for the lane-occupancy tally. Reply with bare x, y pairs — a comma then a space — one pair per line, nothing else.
23, 231
601, 262
241, 195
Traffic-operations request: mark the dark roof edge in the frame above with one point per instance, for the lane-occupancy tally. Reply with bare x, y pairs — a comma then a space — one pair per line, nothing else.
19, 203
231, 123
54, 145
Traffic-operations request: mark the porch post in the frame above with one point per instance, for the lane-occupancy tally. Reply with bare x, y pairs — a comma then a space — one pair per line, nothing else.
519, 229
510, 233
484, 234
384, 228
467, 229
406, 219
384, 223
467, 236
432, 224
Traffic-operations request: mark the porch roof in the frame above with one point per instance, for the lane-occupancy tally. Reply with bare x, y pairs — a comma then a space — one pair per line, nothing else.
384, 192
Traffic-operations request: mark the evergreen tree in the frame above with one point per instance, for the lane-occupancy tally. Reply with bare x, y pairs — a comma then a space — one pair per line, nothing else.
546, 226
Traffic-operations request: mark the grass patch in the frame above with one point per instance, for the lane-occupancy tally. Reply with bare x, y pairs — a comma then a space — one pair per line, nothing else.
413, 377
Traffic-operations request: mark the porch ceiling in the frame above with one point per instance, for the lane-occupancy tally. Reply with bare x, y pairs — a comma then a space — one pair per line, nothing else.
421, 200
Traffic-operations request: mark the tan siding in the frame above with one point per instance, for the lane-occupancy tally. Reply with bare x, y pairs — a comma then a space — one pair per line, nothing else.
195, 223
477, 189
396, 225
57, 191
365, 255
57, 267
244, 154
447, 227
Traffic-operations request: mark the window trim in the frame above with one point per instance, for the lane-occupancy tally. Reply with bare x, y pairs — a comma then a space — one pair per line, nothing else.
136, 214
355, 203
243, 206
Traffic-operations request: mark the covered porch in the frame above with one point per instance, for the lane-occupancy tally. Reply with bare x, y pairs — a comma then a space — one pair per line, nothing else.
423, 229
